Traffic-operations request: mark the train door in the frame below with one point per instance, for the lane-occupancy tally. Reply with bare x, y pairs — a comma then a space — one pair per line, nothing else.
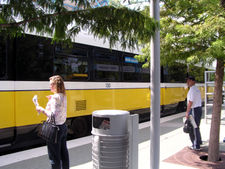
7, 105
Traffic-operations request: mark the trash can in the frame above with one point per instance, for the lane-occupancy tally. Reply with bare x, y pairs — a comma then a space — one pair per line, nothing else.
110, 139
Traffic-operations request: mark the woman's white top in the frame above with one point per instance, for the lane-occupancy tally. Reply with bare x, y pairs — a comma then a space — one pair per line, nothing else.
57, 106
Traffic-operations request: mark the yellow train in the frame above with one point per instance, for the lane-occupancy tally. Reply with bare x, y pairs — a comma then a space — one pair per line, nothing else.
95, 77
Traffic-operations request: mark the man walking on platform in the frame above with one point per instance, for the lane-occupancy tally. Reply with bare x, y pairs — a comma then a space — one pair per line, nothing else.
194, 109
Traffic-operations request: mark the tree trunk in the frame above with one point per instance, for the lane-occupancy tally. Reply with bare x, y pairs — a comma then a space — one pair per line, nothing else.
213, 152
222, 3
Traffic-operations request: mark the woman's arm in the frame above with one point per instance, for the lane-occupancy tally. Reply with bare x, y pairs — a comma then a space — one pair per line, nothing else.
44, 111
53, 106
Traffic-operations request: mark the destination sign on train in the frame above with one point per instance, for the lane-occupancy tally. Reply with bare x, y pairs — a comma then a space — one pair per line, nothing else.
72, 5
130, 60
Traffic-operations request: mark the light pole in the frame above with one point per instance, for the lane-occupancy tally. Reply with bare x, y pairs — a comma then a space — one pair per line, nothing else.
155, 90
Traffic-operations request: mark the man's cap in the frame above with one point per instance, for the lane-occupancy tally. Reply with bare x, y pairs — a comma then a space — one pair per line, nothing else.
191, 78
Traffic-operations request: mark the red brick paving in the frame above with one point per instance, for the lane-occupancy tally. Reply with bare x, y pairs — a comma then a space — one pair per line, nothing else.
191, 158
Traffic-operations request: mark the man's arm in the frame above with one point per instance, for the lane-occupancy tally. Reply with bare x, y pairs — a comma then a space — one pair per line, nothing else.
188, 108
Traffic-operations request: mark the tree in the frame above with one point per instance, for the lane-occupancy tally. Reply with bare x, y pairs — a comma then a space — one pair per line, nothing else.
222, 3
115, 23
193, 31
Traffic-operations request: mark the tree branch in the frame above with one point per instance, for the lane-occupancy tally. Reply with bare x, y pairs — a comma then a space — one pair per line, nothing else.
15, 24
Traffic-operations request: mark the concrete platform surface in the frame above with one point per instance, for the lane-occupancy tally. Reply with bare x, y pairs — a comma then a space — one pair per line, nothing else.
172, 140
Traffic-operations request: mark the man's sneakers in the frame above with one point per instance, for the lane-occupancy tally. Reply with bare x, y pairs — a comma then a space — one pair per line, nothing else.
193, 148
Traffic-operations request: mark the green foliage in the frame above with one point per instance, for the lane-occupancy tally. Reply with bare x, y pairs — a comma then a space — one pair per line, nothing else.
47, 17
191, 31
223, 3
117, 24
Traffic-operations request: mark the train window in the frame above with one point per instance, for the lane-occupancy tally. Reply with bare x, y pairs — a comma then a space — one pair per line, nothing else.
131, 69
145, 74
71, 63
2, 58
174, 74
107, 72
34, 57
106, 55
106, 66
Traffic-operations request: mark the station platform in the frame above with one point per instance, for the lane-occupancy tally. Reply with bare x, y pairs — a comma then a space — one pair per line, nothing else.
174, 151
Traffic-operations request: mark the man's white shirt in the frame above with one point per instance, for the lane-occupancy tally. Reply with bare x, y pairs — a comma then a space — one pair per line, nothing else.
194, 95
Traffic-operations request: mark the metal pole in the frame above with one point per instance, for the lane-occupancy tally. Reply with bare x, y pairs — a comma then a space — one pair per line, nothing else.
155, 91
206, 99
133, 141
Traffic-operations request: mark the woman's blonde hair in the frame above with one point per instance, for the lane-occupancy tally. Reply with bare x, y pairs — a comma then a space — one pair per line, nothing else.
59, 83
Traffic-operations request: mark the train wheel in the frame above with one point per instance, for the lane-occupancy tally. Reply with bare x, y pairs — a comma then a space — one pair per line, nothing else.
181, 107
79, 127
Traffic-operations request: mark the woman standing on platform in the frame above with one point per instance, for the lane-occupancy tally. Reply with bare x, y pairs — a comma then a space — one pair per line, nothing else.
57, 106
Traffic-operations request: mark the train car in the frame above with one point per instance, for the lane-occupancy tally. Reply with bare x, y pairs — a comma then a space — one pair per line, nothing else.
96, 78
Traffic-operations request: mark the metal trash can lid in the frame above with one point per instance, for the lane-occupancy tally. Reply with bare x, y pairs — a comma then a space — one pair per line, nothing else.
104, 113
110, 122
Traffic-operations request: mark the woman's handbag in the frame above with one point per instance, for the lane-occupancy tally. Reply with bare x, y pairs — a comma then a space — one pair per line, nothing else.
49, 130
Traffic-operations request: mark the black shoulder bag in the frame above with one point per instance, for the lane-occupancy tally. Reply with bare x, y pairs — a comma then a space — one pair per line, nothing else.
49, 130
187, 126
